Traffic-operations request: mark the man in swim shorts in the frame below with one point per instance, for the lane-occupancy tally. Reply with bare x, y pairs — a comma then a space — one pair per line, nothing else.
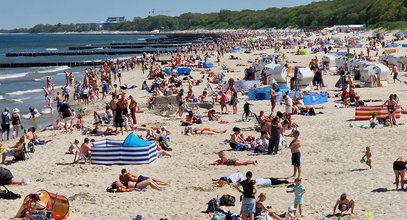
295, 147
273, 97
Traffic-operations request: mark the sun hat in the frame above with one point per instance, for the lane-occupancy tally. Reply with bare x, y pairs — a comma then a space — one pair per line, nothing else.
291, 208
16, 110
25, 181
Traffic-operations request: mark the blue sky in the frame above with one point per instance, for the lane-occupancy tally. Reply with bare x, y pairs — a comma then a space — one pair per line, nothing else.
27, 13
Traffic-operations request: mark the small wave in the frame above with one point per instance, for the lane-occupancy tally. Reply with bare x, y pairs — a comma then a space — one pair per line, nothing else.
27, 116
51, 49
24, 92
12, 76
99, 48
141, 39
1, 97
17, 100
54, 69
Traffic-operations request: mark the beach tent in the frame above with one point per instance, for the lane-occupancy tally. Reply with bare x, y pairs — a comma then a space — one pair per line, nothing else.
314, 98
365, 112
131, 151
180, 70
57, 203
303, 52
207, 65
263, 93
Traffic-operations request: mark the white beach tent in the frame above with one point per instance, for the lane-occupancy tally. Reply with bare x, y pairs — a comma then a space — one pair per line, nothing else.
131, 151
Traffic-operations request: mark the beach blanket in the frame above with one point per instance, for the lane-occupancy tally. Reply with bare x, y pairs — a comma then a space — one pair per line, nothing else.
365, 112
368, 126
273, 186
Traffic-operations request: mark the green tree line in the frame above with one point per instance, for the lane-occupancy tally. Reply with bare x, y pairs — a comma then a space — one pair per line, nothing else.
391, 14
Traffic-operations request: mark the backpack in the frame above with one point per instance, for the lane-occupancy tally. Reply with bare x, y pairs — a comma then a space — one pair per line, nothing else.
213, 205
5, 118
227, 200
311, 111
218, 216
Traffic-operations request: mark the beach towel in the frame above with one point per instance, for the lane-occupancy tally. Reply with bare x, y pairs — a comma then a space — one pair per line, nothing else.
274, 186
368, 126
365, 112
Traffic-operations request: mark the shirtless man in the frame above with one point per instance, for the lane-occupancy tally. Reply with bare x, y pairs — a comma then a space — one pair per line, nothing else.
133, 108
295, 147
85, 148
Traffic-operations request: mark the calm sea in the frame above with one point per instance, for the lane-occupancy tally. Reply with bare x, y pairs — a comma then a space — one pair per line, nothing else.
21, 87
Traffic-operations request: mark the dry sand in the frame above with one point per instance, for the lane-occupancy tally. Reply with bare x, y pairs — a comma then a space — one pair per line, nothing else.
330, 163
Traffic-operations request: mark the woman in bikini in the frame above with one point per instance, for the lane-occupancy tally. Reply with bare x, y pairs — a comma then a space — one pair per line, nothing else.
344, 204
391, 109
224, 160
16, 122
236, 138
140, 182
399, 168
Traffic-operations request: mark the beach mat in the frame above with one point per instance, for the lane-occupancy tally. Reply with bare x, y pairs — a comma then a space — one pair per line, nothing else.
273, 186
365, 112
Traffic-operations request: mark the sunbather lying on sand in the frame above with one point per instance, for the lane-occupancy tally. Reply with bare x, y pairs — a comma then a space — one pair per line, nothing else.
198, 131
140, 182
224, 160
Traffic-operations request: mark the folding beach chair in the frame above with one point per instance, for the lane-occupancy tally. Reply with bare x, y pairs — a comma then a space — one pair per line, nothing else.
79, 156
28, 148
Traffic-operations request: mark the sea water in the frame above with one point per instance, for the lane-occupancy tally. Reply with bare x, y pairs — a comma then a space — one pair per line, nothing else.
21, 87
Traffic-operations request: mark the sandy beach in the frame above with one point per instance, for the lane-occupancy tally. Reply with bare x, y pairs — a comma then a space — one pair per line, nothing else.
331, 151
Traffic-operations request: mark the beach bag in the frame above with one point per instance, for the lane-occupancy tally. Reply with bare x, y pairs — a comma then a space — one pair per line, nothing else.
227, 200
213, 205
5, 176
218, 216
7, 194
197, 120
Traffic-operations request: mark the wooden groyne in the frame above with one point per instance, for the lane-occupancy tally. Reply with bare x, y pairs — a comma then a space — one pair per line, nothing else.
79, 53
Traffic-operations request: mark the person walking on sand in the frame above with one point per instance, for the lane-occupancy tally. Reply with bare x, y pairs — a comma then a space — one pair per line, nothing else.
249, 196
16, 122
133, 109
295, 147
368, 156
5, 124
395, 74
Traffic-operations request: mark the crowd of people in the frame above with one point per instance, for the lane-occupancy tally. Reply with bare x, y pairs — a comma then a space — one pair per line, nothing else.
105, 83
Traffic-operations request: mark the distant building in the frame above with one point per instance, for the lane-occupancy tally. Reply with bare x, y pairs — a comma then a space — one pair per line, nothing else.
349, 28
96, 26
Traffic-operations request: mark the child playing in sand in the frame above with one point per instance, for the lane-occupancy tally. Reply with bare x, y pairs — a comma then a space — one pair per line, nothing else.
299, 191
373, 120
72, 147
368, 156
224, 160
